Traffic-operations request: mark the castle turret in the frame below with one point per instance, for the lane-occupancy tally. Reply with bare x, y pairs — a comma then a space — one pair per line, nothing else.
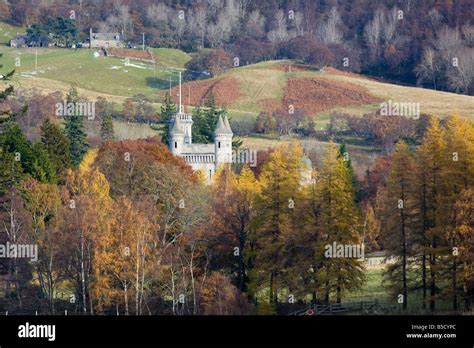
186, 119
223, 141
227, 125
176, 137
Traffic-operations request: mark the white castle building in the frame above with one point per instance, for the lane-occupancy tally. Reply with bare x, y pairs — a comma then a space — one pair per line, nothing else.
201, 157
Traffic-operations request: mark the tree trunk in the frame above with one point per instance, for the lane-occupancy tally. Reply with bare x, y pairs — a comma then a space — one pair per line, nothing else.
432, 280
271, 287
125, 294
404, 260
423, 278
83, 277
455, 290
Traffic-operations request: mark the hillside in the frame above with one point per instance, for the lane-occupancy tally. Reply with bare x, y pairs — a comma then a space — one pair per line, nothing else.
268, 86
244, 91
7, 32
114, 78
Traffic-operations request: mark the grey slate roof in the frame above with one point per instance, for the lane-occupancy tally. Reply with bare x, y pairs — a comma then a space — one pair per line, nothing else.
106, 36
221, 127
227, 124
177, 129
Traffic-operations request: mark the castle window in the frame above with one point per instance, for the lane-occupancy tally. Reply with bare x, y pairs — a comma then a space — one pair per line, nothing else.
210, 174
219, 144
175, 144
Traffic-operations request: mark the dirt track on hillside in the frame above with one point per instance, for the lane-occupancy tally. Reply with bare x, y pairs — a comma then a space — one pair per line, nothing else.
334, 71
129, 53
291, 67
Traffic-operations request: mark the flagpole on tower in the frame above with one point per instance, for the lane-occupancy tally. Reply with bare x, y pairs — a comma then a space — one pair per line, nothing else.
180, 107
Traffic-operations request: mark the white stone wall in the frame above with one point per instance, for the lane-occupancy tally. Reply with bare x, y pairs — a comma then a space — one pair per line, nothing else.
224, 152
207, 169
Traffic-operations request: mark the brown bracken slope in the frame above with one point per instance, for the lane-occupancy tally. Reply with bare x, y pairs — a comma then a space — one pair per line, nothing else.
316, 94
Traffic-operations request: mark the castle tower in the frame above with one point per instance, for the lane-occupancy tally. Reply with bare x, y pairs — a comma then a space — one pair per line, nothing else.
176, 137
204, 158
223, 141
186, 119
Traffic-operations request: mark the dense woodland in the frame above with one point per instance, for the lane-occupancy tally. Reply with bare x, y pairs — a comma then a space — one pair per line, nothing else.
126, 228
428, 43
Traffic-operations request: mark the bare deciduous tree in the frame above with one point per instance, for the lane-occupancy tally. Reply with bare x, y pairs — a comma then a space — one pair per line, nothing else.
243, 6
435, 18
299, 23
178, 24
157, 13
213, 35
461, 76
429, 68
256, 21
329, 32
390, 26
280, 31
214, 6
373, 33
200, 18
124, 19
448, 42
468, 33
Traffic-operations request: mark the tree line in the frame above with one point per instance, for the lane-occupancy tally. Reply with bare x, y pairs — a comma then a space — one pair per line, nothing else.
428, 43
425, 209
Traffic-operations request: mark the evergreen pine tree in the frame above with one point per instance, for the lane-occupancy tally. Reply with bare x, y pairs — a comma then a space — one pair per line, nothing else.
10, 171
75, 131
168, 108
33, 158
6, 115
211, 115
205, 120
10, 168
56, 144
42, 169
107, 128
344, 154
199, 123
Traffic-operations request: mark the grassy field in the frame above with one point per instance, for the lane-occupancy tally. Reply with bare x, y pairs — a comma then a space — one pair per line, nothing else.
440, 104
258, 83
374, 288
112, 77
124, 130
7, 32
